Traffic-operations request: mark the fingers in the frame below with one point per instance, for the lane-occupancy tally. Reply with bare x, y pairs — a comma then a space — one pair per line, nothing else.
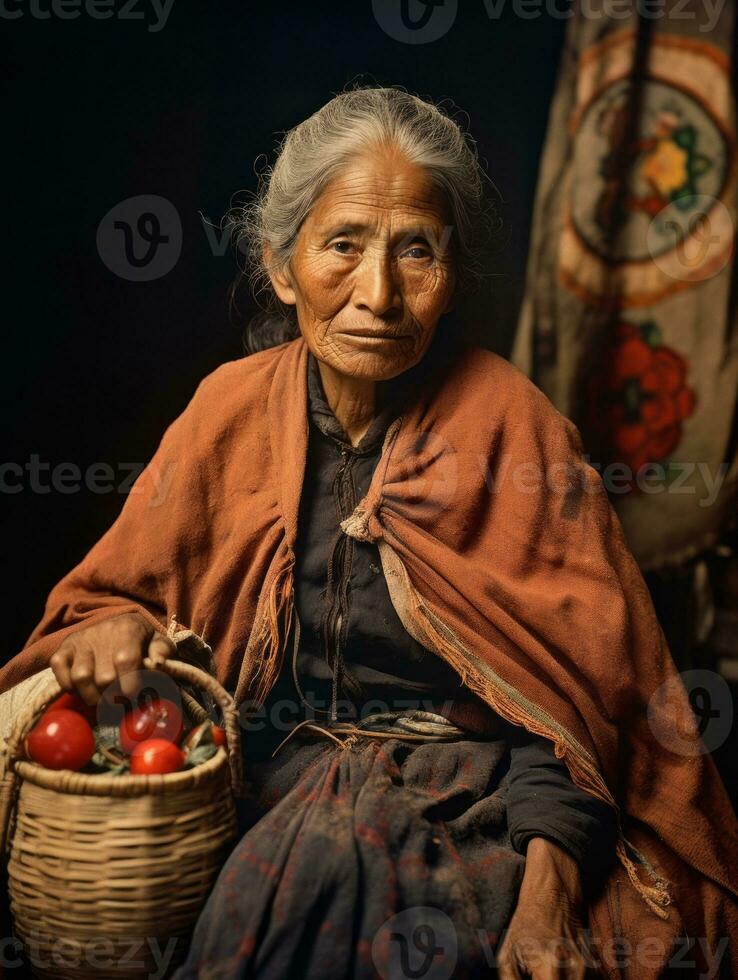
510, 969
82, 672
548, 969
139, 644
553, 968
508, 965
127, 664
548, 963
160, 648
61, 663
106, 653
548, 960
564, 958
105, 672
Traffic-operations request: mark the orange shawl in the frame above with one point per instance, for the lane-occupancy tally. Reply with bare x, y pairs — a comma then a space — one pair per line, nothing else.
502, 554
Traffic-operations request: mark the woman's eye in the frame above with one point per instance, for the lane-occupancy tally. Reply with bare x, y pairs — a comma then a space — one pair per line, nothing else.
342, 247
417, 252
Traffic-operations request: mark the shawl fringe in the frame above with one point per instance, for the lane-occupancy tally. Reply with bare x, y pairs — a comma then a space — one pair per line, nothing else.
264, 652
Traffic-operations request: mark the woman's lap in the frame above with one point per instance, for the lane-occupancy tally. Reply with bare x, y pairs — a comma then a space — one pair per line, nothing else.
370, 860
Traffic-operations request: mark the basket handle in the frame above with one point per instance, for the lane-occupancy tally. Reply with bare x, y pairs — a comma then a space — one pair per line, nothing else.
182, 671
179, 670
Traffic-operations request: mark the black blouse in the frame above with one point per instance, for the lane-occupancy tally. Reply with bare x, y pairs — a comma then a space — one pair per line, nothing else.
355, 656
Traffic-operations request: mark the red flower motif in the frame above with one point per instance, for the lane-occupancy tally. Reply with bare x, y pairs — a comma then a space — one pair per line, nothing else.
640, 399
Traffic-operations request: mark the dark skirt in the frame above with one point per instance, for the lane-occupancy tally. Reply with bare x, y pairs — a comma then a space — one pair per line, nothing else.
381, 858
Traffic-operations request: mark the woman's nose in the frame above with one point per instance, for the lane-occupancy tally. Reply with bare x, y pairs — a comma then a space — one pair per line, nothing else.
376, 288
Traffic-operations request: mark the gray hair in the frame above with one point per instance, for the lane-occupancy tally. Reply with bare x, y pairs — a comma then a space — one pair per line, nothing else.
317, 150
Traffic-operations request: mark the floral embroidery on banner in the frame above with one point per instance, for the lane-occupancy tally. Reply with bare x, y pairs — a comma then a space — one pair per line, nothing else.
639, 401
653, 171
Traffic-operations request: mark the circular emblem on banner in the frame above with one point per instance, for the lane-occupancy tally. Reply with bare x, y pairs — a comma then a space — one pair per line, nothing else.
651, 167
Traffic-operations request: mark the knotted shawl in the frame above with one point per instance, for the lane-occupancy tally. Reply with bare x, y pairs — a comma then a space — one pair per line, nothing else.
502, 554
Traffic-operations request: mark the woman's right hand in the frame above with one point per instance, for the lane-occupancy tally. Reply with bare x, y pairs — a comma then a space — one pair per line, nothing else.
545, 937
92, 658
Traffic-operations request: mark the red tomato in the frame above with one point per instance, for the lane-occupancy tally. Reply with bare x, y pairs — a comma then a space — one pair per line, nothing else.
219, 736
159, 719
73, 702
156, 755
61, 739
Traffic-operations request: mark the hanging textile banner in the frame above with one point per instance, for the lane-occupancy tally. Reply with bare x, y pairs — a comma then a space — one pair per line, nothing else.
629, 319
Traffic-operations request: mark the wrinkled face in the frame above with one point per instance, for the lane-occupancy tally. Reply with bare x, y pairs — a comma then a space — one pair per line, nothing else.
371, 273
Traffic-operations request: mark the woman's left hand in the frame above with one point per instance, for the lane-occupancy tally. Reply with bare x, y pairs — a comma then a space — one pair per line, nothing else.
543, 939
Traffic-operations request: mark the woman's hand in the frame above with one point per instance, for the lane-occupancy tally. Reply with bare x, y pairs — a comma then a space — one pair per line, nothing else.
93, 658
543, 938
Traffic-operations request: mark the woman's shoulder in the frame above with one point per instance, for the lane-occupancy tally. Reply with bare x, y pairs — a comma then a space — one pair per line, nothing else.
238, 388
497, 389
232, 398
244, 377
487, 405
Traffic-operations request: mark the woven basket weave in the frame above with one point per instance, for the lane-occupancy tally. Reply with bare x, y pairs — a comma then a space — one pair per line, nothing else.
107, 874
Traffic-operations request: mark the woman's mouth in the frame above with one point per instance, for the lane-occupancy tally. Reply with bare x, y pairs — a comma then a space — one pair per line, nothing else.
372, 338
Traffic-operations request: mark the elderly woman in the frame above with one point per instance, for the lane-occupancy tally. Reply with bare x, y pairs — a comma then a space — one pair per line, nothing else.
450, 673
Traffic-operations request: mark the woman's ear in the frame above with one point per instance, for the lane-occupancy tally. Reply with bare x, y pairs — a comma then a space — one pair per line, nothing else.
279, 277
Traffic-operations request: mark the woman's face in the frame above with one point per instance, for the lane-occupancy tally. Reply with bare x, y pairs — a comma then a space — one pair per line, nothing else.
371, 272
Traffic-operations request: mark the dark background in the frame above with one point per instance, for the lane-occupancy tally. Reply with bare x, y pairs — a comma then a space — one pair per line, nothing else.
96, 112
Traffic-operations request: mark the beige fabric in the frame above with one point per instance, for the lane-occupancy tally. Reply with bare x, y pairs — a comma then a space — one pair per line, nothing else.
13, 700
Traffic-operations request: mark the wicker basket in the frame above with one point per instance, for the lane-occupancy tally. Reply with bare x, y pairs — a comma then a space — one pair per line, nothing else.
107, 874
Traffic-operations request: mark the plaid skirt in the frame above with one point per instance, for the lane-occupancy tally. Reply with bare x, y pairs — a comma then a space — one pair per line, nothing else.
364, 857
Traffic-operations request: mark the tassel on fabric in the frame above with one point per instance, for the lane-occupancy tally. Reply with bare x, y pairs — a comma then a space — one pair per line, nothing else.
356, 525
656, 896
